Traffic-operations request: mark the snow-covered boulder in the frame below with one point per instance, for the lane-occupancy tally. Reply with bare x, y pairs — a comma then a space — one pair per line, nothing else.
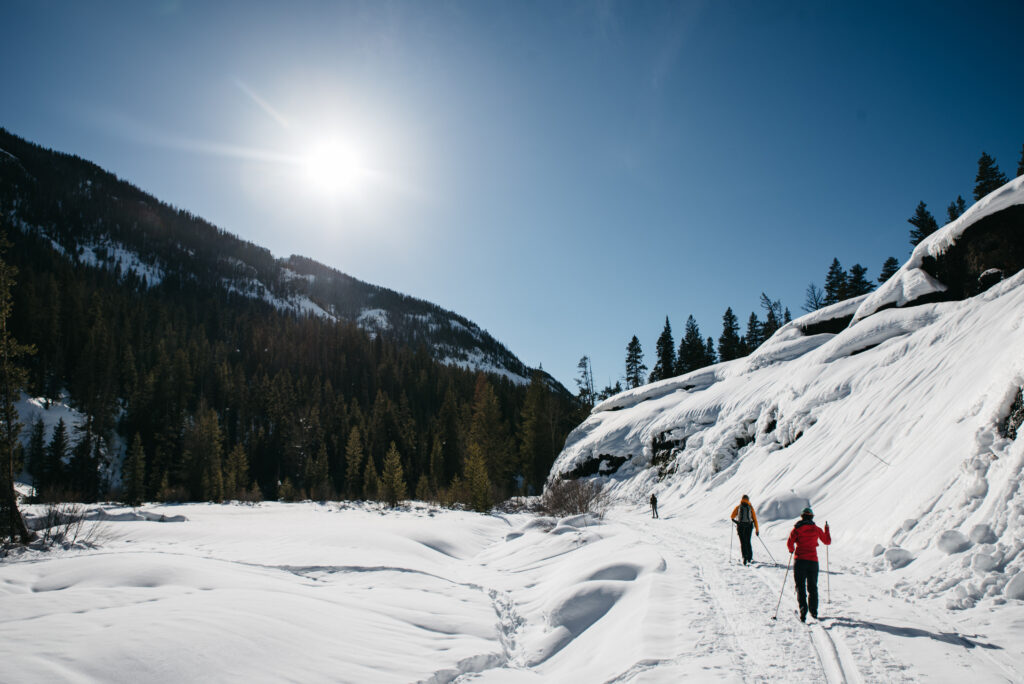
953, 541
897, 557
1015, 587
982, 534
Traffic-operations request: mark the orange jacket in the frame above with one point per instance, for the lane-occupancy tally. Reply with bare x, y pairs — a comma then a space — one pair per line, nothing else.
753, 513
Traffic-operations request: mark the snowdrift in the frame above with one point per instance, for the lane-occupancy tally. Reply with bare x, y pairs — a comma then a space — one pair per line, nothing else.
888, 413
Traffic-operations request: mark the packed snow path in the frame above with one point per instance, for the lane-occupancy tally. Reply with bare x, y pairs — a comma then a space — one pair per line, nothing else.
311, 593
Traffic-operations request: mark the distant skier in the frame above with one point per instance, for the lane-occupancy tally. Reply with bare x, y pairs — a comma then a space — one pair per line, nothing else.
803, 543
654, 506
745, 519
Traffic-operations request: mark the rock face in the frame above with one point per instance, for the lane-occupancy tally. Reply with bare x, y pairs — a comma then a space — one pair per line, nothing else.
994, 242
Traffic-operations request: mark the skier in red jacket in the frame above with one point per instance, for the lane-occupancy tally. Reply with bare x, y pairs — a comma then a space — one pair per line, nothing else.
803, 543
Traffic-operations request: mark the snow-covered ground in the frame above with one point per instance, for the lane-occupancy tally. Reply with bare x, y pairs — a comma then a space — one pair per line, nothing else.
310, 593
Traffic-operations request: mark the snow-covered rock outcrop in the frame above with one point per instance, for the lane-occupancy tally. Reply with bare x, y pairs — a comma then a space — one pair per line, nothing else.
893, 426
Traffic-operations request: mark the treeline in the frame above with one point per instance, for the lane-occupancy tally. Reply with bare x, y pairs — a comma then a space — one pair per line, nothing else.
221, 396
840, 284
216, 395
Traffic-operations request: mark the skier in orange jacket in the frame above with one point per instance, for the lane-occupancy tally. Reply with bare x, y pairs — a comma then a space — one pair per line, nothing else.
745, 519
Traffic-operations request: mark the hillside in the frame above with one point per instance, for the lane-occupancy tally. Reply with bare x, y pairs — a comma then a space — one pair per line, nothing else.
895, 415
91, 217
242, 375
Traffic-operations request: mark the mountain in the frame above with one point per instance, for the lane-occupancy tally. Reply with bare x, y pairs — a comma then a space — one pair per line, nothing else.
235, 369
896, 415
90, 216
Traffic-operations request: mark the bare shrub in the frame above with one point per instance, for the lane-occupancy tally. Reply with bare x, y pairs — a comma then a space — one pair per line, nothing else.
574, 497
65, 524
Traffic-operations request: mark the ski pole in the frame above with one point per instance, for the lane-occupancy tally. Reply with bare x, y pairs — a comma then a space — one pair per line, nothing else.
766, 549
730, 547
783, 590
828, 575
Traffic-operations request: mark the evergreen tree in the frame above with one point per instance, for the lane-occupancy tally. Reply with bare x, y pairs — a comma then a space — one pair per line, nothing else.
371, 483
814, 298
754, 335
665, 350
858, 283
13, 379
835, 283
392, 481
487, 432
585, 382
83, 469
889, 269
924, 224
236, 473
57, 452
956, 209
423, 490
36, 456
354, 458
772, 315
692, 351
436, 466
710, 357
317, 476
730, 346
134, 474
202, 445
1020, 164
537, 445
635, 367
989, 177
480, 498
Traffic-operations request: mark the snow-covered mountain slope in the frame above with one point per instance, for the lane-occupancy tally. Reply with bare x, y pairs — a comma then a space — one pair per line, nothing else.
90, 217
892, 422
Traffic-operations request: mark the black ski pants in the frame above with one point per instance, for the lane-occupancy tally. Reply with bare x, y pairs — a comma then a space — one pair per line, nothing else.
744, 530
806, 574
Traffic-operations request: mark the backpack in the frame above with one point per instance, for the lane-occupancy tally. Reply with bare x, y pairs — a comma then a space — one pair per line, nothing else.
745, 513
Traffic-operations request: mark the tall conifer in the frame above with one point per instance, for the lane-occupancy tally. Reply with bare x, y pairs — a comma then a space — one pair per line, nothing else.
354, 458
635, 367
989, 176
956, 208
858, 283
392, 481
12, 380
889, 269
924, 224
753, 338
665, 351
835, 283
134, 474
729, 344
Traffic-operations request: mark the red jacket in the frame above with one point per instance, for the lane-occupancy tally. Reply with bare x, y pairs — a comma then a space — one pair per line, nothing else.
804, 539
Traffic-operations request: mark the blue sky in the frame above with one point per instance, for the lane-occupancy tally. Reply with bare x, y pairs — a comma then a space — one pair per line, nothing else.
565, 174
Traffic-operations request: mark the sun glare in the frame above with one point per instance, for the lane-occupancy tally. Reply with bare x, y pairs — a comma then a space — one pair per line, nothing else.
334, 168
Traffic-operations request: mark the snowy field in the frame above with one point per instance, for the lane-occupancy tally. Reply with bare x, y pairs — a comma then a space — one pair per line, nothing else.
318, 593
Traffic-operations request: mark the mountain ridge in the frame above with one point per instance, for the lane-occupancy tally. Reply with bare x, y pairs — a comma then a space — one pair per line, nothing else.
155, 241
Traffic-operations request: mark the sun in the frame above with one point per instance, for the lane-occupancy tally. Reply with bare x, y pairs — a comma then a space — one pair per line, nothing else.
335, 168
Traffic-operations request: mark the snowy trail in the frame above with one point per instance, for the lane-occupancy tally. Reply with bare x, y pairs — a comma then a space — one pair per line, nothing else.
866, 635
742, 599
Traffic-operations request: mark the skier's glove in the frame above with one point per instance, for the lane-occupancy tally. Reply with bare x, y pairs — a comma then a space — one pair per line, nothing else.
758, 533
